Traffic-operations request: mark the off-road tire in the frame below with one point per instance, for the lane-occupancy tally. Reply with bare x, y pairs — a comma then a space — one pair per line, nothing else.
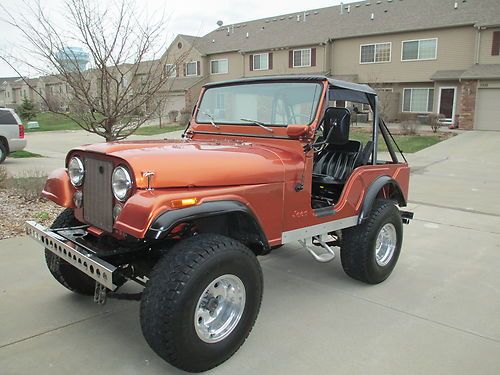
3, 151
67, 275
358, 244
172, 292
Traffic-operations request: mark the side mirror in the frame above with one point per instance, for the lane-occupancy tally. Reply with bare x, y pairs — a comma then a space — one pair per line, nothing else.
296, 131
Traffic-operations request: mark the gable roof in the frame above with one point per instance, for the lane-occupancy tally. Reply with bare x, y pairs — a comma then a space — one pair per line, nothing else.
346, 21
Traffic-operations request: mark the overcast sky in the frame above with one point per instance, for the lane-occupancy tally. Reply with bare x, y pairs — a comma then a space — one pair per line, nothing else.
196, 17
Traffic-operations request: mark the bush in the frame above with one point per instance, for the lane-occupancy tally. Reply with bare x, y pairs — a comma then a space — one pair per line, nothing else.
434, 119
185, 116
27, 110
172, 116
29, 185
408, 124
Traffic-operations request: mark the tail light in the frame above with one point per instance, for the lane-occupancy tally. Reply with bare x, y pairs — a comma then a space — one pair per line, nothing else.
21, 131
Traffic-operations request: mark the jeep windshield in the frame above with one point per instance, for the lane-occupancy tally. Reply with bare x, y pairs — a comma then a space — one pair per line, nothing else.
260, 104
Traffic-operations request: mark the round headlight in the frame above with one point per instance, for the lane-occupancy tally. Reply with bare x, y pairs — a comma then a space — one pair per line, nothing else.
76, 172
122, 183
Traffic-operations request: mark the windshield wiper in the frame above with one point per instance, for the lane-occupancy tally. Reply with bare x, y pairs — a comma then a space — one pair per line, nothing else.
259, 123
211, 119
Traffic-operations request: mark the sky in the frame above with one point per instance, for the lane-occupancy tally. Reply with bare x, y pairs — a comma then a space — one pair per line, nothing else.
197, 18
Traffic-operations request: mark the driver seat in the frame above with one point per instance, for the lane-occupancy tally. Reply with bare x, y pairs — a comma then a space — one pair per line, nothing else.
336, 162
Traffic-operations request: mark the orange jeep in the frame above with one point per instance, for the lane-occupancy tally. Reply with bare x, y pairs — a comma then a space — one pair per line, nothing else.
263, 162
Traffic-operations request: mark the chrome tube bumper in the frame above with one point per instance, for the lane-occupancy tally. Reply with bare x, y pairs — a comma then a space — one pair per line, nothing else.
75, 254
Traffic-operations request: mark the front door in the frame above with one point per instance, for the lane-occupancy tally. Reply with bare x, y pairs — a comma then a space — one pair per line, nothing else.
447, 102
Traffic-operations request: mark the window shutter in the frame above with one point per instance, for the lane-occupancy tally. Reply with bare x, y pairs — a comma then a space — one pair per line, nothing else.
313, 56
270, 57
495, 46
177, 70
290, 59
198, 71
185, 69
251, 62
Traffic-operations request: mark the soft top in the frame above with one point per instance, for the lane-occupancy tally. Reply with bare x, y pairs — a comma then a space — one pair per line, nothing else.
334, 83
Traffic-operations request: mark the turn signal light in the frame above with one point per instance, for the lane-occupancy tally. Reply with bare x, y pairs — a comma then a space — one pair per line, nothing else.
179, 203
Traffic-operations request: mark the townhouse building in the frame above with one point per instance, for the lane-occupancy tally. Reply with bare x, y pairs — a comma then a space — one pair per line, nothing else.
423, 56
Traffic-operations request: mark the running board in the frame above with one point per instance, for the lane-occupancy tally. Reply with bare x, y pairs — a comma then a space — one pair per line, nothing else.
323, 257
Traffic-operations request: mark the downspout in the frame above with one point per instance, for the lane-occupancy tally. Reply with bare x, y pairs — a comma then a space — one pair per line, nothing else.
478, 43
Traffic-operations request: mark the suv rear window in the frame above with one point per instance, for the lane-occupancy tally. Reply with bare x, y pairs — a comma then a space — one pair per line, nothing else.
7, 118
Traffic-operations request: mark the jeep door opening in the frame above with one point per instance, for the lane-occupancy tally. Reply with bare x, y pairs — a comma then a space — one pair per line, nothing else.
263, 162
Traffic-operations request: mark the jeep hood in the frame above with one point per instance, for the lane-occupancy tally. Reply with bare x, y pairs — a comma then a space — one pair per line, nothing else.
195, 164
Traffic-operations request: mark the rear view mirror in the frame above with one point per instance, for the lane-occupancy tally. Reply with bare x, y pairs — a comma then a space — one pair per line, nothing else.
296, 131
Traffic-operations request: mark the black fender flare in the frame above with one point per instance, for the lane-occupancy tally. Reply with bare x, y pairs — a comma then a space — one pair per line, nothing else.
168, 220
372, 192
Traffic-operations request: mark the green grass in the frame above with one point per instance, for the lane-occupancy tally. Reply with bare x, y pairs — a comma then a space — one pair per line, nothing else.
407, 143
51, 121
24, 154
155, 129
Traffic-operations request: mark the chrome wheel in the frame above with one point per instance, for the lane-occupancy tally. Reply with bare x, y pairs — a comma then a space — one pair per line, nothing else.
386, 244
219, 308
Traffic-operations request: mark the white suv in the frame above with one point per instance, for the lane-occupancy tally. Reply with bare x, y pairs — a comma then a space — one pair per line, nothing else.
11, 133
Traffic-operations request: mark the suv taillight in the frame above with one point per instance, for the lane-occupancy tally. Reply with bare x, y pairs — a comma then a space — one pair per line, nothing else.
21, 131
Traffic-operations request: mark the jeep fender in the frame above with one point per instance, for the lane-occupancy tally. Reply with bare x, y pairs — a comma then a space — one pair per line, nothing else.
373, 191
236, 214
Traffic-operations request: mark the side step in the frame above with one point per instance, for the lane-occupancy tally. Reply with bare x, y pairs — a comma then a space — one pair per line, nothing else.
322, 257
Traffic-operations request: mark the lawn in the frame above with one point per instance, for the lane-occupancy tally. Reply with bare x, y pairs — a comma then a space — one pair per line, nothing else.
407, 143
51, 121
155, 129
24, 154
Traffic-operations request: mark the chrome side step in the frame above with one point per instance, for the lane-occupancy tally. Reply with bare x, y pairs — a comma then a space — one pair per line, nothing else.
96, 268
324, 257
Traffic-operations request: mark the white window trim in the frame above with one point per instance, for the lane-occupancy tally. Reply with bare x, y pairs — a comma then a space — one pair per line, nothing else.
310, 58
171, 72
196, 65
226, 72
419, 40
453, 110
375, 44
260, 54
417, 88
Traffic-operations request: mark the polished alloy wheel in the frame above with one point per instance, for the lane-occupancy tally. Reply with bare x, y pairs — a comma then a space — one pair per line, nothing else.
219, 308
386, 244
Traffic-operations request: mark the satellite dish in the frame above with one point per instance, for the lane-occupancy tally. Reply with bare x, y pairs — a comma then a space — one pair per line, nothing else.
220, 23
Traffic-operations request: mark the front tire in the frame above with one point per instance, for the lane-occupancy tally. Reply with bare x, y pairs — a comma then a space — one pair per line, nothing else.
201, 301
3, 152
371, 250
67, 275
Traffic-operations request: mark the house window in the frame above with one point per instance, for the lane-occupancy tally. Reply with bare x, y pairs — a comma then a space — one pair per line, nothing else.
192, 68
261, 61
219, 66
301, 58
418, 100
495, 46
171, 70
375, 53
422, 49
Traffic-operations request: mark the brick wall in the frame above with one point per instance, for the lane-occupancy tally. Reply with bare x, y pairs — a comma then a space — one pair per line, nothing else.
467, 104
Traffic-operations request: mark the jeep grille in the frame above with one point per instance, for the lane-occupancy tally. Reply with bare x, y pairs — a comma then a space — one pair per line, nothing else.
97, 194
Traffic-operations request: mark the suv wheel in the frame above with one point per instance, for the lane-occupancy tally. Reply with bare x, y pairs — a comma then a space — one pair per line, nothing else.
201, 301
370, 251
67, 275
3, 152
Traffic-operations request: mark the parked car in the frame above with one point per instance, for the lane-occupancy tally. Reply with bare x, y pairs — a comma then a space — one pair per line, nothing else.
11, 133
264, 162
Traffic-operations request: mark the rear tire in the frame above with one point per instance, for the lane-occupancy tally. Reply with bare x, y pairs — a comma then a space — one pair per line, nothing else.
67, 275
371, 250
3, 151
181, 310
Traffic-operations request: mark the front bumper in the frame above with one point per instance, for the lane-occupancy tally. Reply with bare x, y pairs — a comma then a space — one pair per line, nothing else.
75, 254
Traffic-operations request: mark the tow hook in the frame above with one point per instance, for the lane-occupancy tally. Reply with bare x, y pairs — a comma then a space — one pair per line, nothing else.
100, 293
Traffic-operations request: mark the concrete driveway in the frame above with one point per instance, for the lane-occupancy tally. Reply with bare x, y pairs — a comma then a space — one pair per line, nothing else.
439, 312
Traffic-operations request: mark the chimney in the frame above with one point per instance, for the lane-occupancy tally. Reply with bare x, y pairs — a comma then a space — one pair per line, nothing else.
341, 8
372, 16
298, 17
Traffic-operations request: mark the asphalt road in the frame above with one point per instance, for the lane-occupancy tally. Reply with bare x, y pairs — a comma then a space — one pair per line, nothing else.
438, 313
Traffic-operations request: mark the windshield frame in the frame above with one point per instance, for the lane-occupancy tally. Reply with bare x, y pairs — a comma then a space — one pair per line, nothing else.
314, 112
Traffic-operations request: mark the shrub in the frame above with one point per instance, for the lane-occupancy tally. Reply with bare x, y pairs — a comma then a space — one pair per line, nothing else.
408, 124
172, 116
434, 119
185, 116
29, 185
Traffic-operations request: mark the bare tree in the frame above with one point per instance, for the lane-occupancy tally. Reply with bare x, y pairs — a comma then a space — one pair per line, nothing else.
124, 75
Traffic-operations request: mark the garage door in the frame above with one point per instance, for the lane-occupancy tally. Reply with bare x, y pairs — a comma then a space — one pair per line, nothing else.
488, 109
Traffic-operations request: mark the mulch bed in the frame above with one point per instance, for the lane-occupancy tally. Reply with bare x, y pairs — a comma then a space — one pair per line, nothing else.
16, 209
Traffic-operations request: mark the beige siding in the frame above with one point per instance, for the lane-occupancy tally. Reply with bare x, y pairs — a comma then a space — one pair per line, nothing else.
454, 51
485, 56
186, 53
235, 66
